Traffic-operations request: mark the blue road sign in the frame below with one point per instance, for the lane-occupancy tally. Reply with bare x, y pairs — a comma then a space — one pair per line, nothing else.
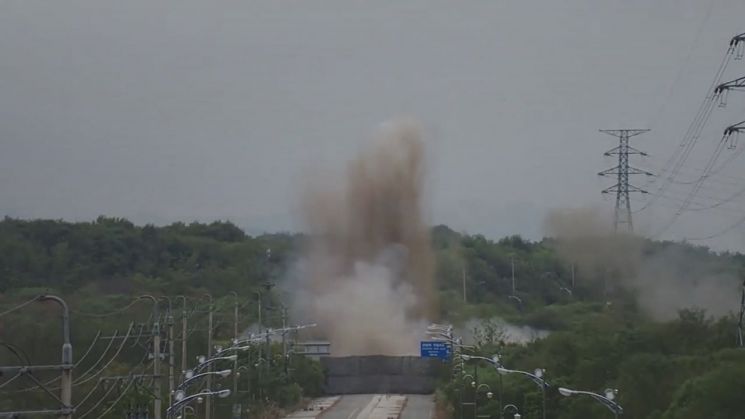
434, 349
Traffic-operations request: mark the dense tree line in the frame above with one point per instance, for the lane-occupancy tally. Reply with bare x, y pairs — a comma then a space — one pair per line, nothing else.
685, 368
600, 337
116, 256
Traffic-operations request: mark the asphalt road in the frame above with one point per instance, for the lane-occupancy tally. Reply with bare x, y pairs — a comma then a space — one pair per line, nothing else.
419, 407
351, 406
348, 407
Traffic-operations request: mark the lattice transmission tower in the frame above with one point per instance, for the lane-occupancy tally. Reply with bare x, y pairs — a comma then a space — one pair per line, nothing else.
622, 188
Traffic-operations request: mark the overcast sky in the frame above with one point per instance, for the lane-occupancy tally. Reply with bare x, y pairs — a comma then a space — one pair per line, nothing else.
165, 111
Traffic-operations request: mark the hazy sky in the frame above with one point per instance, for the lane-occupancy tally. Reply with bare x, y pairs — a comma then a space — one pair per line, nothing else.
163, 111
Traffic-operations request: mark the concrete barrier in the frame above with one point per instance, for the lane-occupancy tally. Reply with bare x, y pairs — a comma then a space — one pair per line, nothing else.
379, 374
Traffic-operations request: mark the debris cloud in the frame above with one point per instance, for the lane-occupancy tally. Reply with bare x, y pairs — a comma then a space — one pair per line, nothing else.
366, 274
667, 277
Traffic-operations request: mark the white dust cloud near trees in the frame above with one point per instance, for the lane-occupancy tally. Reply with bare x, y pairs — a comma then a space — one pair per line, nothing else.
366, 273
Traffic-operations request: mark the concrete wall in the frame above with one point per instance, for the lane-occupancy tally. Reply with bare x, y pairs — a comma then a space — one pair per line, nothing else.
379, 374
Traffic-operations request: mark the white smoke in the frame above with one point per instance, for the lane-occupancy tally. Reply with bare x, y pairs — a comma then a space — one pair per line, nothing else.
366, 275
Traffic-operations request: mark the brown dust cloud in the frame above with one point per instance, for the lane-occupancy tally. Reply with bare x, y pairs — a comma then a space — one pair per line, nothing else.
666, 279
366, 273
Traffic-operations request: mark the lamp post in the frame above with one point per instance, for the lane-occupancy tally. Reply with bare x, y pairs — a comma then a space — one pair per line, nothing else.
248, 376
489, 395
236, 405
67, 365
207, 362
467, 379
191, 377
182, 399
184, 337
222, 352
171, 355
607, 399
513, 408
536, 377
258, 303
186, 410
208, 405
496, 362
455, 342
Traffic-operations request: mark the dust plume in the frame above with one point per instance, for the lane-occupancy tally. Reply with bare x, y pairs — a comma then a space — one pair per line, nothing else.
474, 330
366, 275
667, 277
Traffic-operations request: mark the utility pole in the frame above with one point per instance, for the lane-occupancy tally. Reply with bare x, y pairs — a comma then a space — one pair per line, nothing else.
171, 355
156, 362
208, 399
284, 338
465, 300
476, 391
512, 263
157, 402
259, 365
65, 408
572, 276
236, 406
67, 365
622, 188
740, 325
184, 337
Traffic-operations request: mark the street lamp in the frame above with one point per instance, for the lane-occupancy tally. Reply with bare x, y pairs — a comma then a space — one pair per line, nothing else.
468, 380
184, 335
518, 300
479, 388
456, 342
513, 408
489, 394
536, 377
442, 328
191, 377
260, 361
607, 399
210, 324
182, 399
204, 361
248, 377
187, 409
496, 362
220, 351
67, 365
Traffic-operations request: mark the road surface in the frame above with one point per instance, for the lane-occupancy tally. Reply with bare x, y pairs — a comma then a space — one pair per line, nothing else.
349, 407
373, 406
419, 407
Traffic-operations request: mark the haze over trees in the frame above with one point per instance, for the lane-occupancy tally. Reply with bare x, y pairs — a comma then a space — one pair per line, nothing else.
602, 333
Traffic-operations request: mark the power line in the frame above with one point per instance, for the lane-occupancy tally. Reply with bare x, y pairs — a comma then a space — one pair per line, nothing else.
725, 142
681, 68
681, 154
76, 365
65, 408
20, 306
718, 91
722, 232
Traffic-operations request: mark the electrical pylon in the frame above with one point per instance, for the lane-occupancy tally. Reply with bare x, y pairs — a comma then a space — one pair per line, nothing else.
622, 188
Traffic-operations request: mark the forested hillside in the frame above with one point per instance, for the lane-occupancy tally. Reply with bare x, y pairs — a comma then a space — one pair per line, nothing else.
603, 331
